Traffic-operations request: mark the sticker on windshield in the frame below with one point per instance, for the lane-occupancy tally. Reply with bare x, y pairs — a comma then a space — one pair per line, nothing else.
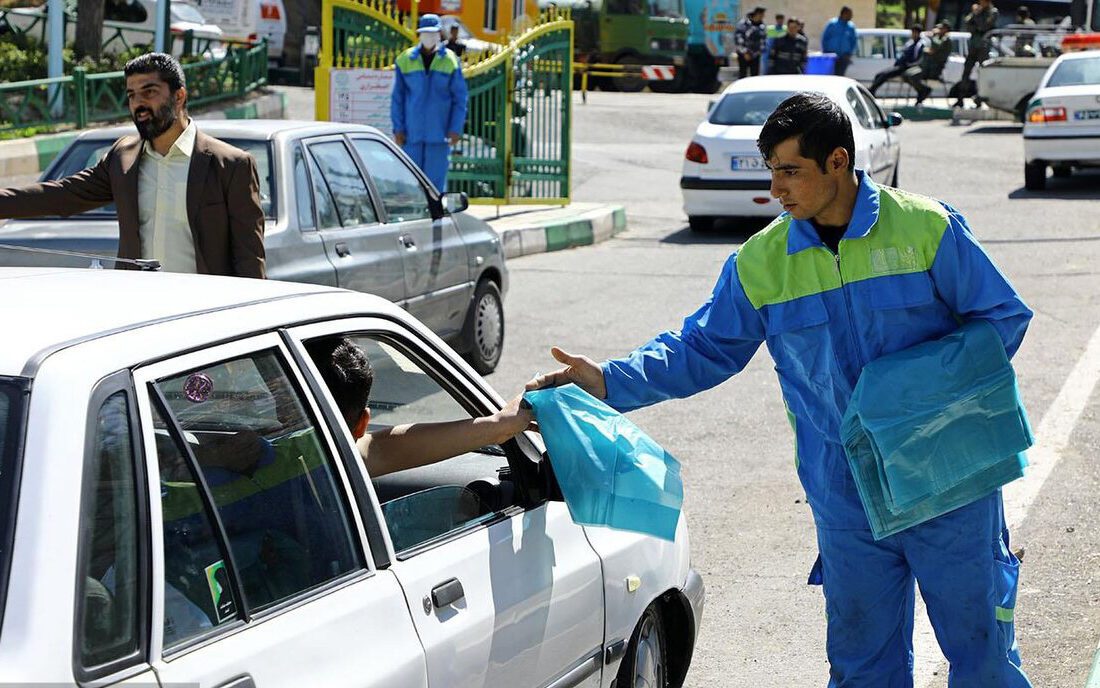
218, 580
198, 387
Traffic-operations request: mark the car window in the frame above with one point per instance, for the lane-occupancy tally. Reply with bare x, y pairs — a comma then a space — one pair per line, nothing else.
303, 191
326, 205
402, 194
873, 45
269, 477
349, 191
1076, 72
260, 150
862, 116
109, 570
878, 117
11, 427
748, 109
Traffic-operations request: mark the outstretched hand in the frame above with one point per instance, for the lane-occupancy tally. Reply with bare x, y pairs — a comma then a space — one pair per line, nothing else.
580, 370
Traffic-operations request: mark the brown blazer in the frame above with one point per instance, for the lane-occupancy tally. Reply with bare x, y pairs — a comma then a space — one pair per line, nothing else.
223, 203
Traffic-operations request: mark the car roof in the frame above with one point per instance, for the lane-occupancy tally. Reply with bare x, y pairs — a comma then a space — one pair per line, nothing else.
57, 306
244, 128
792, 82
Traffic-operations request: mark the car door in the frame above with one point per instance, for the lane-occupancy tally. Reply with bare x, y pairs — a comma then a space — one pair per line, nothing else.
890, 145
260, 573
870, 142
504, 588
437, 266
366, 252
872, 56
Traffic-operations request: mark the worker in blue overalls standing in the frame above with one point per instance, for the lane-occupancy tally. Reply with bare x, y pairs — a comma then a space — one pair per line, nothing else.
428, 106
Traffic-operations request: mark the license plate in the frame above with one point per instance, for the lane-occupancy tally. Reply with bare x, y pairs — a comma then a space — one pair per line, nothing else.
747, 162
1082, 115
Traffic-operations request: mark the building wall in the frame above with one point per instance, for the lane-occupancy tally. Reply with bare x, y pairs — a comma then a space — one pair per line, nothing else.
816, 13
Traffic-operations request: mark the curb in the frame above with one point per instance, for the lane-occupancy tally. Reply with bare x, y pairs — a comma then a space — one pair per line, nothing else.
21, 157
586, 229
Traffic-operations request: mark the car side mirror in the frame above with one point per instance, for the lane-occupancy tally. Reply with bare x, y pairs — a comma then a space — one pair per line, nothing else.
456, 201
894, 119
710, 105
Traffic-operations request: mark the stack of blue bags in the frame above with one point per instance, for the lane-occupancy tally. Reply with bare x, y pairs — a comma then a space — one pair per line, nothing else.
935, 427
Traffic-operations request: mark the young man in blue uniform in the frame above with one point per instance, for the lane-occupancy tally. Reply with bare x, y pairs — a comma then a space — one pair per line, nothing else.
428, 105
840, 38
849, 272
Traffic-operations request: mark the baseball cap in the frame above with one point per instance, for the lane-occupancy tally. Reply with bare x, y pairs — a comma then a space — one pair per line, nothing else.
429, 22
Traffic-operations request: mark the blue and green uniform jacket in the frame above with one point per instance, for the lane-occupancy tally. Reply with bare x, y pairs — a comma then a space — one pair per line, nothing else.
908, 270
426, 104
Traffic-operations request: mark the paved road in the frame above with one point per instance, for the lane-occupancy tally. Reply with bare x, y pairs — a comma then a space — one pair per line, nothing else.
751, 530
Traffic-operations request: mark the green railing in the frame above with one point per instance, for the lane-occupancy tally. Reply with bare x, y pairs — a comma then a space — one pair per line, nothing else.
102, 97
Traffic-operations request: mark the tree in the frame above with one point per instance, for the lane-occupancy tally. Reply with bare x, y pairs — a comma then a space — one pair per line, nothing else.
89, 28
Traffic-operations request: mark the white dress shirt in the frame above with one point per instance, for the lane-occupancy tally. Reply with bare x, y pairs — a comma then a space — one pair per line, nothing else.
162, 204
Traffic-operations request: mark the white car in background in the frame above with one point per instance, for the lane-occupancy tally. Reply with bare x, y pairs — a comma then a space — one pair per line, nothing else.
876, 50
724, 174
1062, 127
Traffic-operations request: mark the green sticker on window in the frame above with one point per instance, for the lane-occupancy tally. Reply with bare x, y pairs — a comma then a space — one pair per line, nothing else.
217, 578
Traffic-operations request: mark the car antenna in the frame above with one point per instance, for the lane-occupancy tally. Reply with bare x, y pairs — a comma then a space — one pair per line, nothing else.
146, 264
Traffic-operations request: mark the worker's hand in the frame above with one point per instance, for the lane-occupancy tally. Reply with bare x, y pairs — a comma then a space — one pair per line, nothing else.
399, 138
453, 138
580, 370
513, 419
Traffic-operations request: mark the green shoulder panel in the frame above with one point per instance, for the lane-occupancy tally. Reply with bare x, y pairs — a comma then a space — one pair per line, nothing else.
769, 275
407, 64
447, 65
904, 240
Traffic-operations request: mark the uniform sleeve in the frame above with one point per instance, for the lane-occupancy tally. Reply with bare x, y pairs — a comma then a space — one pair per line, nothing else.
397, 102
459, 94
246, 221
715, 342
973, 287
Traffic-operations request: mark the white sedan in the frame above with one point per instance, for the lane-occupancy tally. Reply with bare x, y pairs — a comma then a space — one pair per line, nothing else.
181, 503
724, 174
1062, 128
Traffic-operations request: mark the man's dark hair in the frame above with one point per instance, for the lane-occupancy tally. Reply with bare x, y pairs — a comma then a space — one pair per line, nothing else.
819, 124
165, 66
845, 9
916, 27
779, 16
347, 372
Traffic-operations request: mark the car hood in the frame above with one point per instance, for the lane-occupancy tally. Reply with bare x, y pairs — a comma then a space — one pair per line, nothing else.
99, 237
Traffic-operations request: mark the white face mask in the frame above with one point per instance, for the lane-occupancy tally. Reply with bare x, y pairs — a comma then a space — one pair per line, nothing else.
429, 40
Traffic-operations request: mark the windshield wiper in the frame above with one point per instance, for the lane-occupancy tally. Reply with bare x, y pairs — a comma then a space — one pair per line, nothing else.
147, 264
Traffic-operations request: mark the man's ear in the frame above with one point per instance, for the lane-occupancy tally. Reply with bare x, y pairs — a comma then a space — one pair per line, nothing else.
181, 98
360, 427
838, 160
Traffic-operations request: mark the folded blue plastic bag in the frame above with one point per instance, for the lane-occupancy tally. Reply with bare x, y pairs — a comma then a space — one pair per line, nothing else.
935, 427
610, 472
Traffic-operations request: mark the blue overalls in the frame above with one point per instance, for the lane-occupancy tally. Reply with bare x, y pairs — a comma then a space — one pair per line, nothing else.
908, 270
426, 105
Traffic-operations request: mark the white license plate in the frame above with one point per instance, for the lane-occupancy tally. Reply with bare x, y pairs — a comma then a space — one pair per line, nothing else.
1084, 115
747, 162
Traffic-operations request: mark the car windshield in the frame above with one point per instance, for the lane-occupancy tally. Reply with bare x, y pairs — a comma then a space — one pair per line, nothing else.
187, 13
86, 153
747, 109
1076, 72
12, 396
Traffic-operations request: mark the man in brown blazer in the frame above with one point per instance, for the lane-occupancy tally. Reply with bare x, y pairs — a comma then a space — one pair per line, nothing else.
185, 199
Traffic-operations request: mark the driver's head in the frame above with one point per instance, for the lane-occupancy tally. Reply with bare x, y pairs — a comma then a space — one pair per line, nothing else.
347, 372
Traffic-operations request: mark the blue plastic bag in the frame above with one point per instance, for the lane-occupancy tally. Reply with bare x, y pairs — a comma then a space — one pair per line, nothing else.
935, 427
610, 472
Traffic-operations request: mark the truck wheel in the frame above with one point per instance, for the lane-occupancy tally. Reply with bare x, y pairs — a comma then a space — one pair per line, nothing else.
1035, 175
632, 83
646, 661
484, 329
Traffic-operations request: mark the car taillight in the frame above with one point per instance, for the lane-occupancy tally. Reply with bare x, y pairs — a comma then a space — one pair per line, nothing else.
1041, 114
696, 153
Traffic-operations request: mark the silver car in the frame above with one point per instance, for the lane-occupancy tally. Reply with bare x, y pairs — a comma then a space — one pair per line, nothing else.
345, 207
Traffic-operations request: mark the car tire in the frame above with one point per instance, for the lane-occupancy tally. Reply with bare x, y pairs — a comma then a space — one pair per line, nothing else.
645, 664
1035, 175
629, 83
1061, 171
894, 178
700, 223
483, 332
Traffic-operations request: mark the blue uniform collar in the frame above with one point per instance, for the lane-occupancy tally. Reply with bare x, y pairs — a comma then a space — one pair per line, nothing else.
802, 235
439, 52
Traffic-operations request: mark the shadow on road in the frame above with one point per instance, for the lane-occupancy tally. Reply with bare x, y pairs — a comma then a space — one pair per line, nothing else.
1081, 186
726, 230
995, 129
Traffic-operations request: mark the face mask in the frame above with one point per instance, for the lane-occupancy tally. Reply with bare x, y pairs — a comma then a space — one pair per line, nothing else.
429, 40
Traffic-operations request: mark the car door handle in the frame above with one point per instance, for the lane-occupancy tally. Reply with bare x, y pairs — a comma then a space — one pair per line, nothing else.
407, 241
239, 682
447, 593
342, 250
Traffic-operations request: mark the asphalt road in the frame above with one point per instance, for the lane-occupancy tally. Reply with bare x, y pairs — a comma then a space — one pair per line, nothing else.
752, 535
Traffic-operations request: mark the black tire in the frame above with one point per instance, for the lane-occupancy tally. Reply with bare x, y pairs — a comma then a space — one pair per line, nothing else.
1061, 171
645, 664
700, 223
629, 84
483, 332
1035, 175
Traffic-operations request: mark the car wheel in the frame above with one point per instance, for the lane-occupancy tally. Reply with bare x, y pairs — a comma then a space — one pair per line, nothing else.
645, 664
1062, 171
894, 179
1035, 175
700, 223
484, 331
631, 83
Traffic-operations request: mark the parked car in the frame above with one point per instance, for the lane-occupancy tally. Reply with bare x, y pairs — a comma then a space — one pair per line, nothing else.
724, 173
204, 518
248, 21
1062, 129
878, 48
345, 207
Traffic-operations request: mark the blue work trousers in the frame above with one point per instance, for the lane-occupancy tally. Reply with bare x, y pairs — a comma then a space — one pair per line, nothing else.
967, 577
433, 158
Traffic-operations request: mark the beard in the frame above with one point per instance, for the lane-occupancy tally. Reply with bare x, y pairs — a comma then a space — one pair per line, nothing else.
158, 123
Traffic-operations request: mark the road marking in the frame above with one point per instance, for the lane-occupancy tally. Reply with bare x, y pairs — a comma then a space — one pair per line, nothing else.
1052, 437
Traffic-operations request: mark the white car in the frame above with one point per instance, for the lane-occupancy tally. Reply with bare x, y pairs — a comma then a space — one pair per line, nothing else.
1062, 128
181, 503
877, 49
724, 173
